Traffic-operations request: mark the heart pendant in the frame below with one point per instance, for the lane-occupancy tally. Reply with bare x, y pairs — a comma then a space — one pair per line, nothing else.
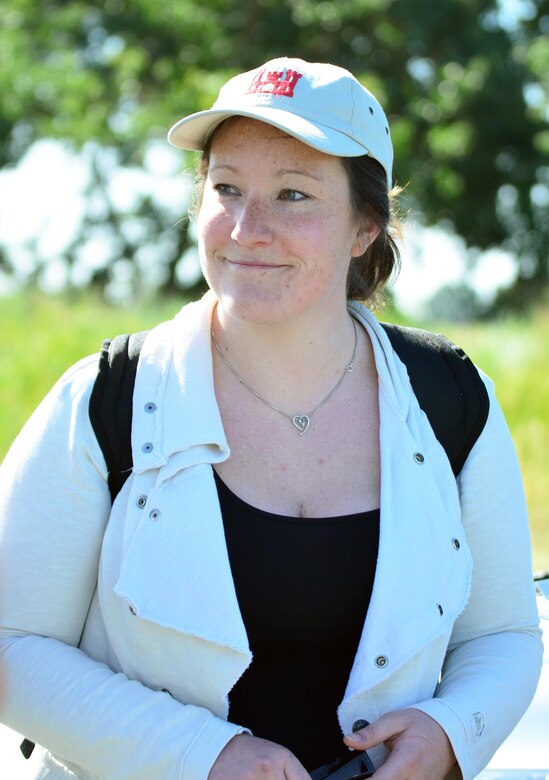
301, 422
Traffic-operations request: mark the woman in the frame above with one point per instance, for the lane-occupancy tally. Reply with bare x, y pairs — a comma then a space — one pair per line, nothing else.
280, 578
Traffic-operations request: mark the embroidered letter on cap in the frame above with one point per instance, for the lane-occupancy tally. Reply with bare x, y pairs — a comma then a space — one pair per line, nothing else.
272, 82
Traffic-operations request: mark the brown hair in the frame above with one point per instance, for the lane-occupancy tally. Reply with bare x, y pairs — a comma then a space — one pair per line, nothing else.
369, 272
371, 202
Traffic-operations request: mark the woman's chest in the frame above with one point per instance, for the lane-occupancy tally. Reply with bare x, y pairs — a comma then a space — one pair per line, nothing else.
332, 468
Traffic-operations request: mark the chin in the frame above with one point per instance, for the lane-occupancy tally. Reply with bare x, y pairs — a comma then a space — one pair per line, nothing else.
250, 302
256, 311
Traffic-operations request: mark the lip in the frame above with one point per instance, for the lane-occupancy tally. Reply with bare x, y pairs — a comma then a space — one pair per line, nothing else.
255, 264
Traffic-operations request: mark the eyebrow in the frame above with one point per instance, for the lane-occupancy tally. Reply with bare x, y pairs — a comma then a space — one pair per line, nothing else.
281, 172
221, 166
297, 172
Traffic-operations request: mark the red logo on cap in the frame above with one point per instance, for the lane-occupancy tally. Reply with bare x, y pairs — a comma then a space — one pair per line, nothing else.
272, 82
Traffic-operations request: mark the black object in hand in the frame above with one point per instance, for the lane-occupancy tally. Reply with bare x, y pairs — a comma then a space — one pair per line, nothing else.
358, 767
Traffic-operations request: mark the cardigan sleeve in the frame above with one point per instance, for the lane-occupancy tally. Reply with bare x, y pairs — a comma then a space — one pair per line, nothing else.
54, 507
495, 652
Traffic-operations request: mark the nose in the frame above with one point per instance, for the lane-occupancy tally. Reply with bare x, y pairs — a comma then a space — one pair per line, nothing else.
253, 223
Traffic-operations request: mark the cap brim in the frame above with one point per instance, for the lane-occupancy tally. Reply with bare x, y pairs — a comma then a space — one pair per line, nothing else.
192, 131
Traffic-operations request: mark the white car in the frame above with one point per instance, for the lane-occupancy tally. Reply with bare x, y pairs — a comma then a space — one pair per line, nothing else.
523, 756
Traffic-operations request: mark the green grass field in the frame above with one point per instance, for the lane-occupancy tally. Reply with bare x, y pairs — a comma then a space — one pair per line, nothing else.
42, 336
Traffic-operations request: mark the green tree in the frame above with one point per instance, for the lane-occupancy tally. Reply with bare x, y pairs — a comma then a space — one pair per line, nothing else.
462, 82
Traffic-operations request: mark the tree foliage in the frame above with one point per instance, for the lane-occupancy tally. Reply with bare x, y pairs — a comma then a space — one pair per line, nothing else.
464, 83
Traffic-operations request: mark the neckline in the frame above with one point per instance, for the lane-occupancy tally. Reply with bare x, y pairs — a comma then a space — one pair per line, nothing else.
222, 487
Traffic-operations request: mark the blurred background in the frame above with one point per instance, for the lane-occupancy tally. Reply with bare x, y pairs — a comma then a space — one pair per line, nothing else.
94, 238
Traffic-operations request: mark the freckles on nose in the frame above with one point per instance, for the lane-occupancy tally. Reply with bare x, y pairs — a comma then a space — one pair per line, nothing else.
252, 223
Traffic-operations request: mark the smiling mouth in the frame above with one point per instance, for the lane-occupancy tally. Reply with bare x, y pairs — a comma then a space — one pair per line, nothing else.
256, 264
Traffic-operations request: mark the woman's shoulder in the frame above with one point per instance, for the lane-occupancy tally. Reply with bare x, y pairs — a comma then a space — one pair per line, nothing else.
82, 372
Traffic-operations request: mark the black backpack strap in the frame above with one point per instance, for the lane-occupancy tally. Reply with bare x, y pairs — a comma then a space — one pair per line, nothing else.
111, 405
448, 387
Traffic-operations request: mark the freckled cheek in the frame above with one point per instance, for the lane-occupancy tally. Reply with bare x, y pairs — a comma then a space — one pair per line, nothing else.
213, 229
323, 256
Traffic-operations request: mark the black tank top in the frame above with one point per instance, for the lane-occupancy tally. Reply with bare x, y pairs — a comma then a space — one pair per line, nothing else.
303, 586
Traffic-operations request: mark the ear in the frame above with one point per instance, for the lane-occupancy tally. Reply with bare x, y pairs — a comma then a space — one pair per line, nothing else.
366, 234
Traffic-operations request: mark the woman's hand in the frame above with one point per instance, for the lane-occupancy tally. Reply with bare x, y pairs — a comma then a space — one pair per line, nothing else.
251, 758
420, 749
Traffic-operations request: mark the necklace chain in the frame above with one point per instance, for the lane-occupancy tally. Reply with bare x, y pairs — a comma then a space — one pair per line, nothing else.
300, 421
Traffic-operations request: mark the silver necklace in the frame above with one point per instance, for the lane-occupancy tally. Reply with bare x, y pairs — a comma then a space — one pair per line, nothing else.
301, 421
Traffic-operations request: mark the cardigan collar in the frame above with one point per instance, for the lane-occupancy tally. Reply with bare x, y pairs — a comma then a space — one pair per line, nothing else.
391, 372
176, 373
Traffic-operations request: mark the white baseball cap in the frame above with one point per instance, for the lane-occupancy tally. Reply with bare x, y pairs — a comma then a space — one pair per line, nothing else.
322, 105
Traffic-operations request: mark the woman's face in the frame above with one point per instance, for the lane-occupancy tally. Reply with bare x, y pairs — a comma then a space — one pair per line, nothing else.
276, 225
